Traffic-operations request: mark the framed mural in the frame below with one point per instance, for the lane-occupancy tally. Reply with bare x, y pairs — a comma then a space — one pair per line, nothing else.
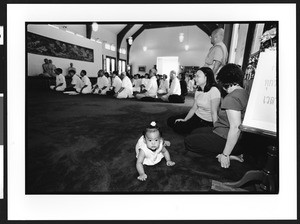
142, 68
37, 44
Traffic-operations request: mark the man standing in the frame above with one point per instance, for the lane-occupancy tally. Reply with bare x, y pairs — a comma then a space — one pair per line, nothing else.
71, 68
218, 54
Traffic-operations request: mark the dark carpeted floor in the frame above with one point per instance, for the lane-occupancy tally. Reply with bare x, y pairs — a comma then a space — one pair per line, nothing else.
85, 144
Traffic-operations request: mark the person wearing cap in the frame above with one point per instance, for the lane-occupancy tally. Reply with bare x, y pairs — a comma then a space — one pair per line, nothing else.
60, 80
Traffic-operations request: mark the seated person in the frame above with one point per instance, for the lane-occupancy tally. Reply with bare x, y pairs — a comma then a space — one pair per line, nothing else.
126, 90
87, 85
191, 84
136, 83
51, 67
60, 80
150, 92
45, 67
116, 84
204, 111
175, 88
101, 86
163, 85
222, 140
144, 82
76, 83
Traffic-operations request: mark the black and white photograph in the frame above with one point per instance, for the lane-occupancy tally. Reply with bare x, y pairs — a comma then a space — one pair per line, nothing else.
109, 112
72, 145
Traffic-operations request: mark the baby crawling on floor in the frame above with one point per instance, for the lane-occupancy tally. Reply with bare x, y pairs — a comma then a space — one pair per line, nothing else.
150, 149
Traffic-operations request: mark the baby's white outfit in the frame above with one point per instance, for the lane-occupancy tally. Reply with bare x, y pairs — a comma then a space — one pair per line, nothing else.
151, 157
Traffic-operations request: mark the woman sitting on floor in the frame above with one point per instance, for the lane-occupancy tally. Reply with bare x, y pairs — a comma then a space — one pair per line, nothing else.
204, 111
223, 138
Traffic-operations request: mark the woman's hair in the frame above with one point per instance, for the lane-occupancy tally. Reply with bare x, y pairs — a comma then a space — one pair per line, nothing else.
210, 79
152, 127
230, 74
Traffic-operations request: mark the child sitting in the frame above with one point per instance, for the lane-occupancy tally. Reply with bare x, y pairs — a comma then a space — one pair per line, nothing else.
150, 149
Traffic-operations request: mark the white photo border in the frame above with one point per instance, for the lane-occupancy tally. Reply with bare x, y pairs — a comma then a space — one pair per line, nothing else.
150, 207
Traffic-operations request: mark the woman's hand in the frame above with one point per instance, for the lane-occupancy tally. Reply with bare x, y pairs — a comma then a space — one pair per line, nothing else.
224, 160
142, 177
181, 120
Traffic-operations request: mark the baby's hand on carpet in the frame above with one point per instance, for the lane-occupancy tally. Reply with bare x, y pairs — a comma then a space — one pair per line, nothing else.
170, 163
142, 177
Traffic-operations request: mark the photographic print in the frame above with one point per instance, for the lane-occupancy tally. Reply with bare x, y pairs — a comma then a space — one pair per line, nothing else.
95, 133
73, 145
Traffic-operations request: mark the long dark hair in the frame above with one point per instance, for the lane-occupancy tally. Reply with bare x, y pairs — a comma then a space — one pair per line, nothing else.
210, 79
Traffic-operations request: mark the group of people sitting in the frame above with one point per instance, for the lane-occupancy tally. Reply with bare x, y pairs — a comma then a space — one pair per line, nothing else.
151, 87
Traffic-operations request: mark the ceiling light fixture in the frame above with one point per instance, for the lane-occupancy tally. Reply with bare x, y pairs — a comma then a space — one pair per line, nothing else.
145, 48
186, 47
181, 37
95, 26
130, 40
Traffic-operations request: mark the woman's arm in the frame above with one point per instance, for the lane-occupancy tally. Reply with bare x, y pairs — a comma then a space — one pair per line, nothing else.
190, 113
235, 120
215, 103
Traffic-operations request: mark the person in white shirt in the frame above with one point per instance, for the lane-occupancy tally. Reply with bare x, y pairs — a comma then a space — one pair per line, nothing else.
151, 88
175, 88
136, 83
150, 149
87, 85
126, 90
191, 84
163, 85
60, 82
116, 84
101, 86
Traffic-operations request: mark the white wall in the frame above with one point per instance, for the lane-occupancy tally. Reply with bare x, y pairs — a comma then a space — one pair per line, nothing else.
163, 42
35, 61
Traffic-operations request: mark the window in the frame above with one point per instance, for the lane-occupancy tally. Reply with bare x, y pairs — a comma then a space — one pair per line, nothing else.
122, 66
110, 64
